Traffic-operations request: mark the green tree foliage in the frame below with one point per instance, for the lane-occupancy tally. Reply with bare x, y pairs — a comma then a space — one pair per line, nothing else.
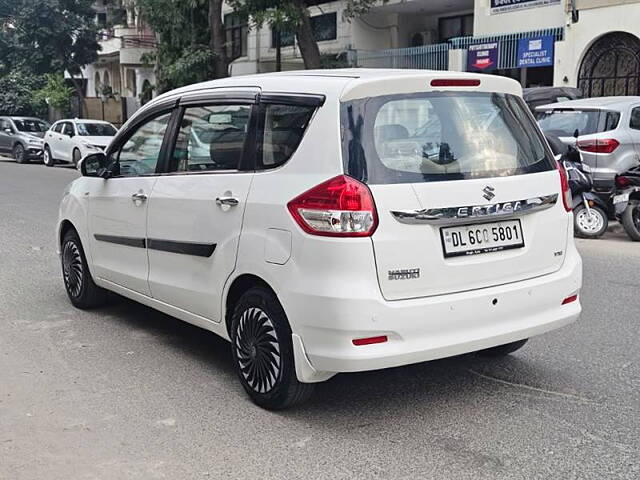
55, 93
183, 54
48, 36
16, 94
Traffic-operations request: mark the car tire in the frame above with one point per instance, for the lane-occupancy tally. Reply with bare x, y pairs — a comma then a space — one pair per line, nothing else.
502, 350
19, 153
76, 156
47, 158
585, 227
78, 283
262, 351
631, 220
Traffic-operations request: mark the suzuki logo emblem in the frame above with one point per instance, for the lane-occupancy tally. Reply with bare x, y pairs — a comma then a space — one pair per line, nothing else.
488, 192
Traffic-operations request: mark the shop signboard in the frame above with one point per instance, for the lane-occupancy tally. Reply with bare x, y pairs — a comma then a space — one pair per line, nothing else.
502, 6
482, 57
535, 52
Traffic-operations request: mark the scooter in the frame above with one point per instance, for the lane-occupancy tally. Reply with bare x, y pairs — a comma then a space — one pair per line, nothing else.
590, 219
626, 201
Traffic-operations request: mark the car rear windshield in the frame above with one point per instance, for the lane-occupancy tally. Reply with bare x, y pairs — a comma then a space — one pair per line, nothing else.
565, 122
440, 136
95, 129
31, 126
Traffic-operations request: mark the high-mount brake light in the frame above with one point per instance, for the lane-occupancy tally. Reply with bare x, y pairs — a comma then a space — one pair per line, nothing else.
600, 145
455, 82
566, 191
339, 207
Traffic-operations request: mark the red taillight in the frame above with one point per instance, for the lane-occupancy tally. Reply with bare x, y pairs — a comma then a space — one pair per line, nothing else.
339, 207
358, 342
622, 182
566, 191
570, 299
455, 82
606, 145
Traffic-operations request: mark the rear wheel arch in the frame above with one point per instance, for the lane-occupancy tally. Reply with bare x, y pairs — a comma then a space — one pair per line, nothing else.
237, 288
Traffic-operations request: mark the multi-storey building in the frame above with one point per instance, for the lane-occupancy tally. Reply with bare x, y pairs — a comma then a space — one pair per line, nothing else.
593, 44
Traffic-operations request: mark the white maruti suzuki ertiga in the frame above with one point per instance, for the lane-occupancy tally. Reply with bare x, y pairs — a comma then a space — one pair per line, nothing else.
330, 221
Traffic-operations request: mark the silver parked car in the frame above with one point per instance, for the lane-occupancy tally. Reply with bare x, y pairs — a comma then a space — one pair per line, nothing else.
606, 130
21, 137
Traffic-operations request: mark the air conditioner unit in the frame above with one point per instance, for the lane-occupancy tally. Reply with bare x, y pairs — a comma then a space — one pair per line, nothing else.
428, 37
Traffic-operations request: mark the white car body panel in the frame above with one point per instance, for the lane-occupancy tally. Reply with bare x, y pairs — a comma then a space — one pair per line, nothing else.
62, 146
332, 289
191, 282
113, 212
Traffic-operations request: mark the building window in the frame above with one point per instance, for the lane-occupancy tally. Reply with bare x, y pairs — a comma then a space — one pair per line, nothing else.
324, 27
287, 38
101, 19
236, 28
458, 26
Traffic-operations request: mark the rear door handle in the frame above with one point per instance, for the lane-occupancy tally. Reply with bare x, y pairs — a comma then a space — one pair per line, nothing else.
230, 201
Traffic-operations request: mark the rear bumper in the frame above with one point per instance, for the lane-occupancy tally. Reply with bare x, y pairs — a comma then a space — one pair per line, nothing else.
429, 328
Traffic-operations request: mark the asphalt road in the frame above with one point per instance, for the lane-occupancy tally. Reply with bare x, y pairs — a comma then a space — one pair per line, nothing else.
127, 392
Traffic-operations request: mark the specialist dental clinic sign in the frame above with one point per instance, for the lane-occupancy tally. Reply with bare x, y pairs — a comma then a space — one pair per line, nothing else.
501, 6
535, 52
482, 57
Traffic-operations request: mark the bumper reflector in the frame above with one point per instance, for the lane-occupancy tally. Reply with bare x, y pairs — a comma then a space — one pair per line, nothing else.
369, 341
570, 299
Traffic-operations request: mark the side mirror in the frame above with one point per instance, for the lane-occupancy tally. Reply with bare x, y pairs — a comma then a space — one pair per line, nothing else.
94, 165
8, 131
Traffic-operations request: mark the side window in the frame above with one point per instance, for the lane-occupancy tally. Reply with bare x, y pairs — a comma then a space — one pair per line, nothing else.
284, 126
57, 127
139, 154
635, 119
611, 121
210, 138
4, 125
67, 129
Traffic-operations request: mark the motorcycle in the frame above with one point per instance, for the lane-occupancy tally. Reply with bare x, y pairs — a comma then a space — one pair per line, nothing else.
626, 201
590, 219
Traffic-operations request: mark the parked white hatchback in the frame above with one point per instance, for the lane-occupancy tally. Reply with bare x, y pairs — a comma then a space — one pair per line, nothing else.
69, 140
337, 221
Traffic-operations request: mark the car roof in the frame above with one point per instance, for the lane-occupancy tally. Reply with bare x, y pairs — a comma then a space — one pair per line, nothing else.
345, 83
82, 120
594, 102
24, 118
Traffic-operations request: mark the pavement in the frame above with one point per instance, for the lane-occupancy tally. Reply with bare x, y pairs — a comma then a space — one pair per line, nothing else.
125, 392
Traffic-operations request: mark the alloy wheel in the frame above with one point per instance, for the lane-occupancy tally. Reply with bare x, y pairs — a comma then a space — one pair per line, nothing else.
258, 350
72, 268
19, 153
47, 157
589, 222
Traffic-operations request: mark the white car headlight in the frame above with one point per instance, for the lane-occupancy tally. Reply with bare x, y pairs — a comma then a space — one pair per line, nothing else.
89, 146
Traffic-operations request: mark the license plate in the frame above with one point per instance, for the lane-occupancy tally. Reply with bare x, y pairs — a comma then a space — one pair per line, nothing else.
620, 198
481, 238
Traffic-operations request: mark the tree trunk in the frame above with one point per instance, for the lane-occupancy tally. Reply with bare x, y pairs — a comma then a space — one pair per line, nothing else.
278, 51
78, 89
308, 45
218, 40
